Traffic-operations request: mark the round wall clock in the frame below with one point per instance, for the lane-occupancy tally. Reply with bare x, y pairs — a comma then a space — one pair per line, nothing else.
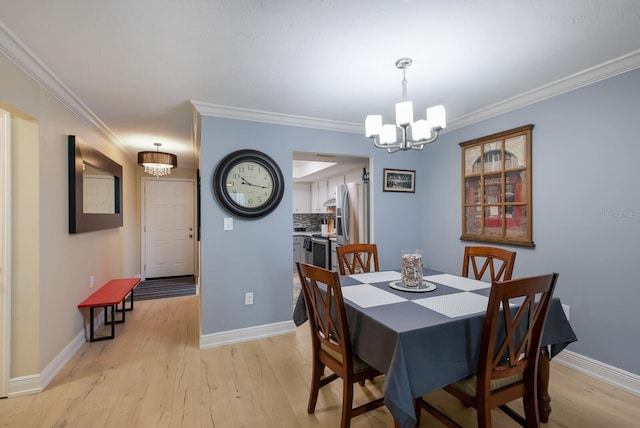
248, 183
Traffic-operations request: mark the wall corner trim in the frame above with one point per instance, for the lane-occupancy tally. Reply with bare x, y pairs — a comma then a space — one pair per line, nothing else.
214, 340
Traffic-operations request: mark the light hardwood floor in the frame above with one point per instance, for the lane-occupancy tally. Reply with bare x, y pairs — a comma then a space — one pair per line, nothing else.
153, 375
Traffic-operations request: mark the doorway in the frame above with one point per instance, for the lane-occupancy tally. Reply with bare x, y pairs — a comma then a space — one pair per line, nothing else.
168, 228
5, 249
315, 178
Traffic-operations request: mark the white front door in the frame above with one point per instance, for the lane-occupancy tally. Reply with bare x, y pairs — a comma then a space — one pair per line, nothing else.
169, 228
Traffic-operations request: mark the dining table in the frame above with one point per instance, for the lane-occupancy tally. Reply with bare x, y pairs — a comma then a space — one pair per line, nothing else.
425, 338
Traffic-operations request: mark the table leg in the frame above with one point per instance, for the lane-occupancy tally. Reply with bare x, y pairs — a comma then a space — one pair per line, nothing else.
544, 400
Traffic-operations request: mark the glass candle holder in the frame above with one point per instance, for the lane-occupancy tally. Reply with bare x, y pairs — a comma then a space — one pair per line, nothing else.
411, 268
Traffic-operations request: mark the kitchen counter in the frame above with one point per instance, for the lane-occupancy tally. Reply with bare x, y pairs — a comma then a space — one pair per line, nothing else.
331, 236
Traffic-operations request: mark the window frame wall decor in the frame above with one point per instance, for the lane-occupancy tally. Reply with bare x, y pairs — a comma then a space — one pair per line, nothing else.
496, 188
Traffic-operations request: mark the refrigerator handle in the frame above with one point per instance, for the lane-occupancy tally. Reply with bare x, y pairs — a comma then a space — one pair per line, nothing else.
346, 215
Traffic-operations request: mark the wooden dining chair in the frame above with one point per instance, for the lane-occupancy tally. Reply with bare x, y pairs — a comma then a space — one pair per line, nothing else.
357, 258
499, 262
508, 357
331, 341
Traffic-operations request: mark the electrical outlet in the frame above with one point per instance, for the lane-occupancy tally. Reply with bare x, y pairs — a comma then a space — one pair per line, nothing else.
566, 310
248, 298
91, 281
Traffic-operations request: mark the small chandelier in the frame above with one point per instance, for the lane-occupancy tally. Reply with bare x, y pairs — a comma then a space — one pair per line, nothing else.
422, 131
157, 163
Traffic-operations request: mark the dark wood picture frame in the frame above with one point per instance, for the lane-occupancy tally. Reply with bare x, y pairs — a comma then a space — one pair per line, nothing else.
496, 188
399, 180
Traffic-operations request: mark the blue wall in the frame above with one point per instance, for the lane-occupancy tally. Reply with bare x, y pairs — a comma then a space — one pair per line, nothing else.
586, 209
256, 256
586, 214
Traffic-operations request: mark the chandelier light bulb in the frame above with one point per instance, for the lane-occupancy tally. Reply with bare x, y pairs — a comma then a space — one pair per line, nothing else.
422, 131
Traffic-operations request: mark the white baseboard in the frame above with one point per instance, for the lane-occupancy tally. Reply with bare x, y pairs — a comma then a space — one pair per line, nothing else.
32, 384
24, 385
245, 334
58, 363
603, 372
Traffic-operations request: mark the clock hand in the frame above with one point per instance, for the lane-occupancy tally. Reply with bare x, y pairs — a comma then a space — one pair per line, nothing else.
244, 181
251, 184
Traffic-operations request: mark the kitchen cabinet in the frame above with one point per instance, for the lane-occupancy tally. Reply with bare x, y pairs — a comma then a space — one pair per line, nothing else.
334, 181
353, 176
301, 198
298, 250
318, 196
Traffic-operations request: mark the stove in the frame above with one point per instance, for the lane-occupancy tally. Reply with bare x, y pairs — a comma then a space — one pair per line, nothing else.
321, 250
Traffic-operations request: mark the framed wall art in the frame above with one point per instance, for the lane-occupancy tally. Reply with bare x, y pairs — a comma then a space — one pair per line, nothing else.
399, 180
496, 188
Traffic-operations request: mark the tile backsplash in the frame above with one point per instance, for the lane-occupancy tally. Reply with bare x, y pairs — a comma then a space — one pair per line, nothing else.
311, 221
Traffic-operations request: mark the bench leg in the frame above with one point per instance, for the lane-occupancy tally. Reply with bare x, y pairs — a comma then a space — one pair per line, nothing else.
122, 311
124, 303
130, 308
92, 337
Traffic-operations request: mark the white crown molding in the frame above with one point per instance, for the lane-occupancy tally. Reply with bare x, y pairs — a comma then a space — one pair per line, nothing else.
217, 110
584, 78
578, 80
246, 334
18, 53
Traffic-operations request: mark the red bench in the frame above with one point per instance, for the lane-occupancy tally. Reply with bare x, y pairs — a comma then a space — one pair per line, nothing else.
110, 295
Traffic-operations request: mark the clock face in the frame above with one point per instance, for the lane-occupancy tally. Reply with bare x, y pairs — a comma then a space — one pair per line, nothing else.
248, 183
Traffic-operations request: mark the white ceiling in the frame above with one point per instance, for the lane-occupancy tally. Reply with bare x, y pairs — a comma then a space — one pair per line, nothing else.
137, 64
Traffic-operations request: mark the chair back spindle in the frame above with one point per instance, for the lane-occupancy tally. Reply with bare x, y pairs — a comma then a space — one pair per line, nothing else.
357, 258
497, 261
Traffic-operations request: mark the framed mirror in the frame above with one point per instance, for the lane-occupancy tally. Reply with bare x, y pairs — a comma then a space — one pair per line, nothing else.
95, 189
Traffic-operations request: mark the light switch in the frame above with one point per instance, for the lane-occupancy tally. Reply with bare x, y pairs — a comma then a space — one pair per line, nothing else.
228, 223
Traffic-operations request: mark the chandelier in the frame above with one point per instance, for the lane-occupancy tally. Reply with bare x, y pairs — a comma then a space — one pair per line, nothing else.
422, 131
157, 163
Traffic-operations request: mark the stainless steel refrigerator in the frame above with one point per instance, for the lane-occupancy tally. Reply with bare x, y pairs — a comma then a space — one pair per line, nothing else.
352, 213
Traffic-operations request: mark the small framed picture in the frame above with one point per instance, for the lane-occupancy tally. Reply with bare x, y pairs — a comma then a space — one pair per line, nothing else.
399, 180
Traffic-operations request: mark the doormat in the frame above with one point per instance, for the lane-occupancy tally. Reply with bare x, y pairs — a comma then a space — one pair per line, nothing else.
160, 288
